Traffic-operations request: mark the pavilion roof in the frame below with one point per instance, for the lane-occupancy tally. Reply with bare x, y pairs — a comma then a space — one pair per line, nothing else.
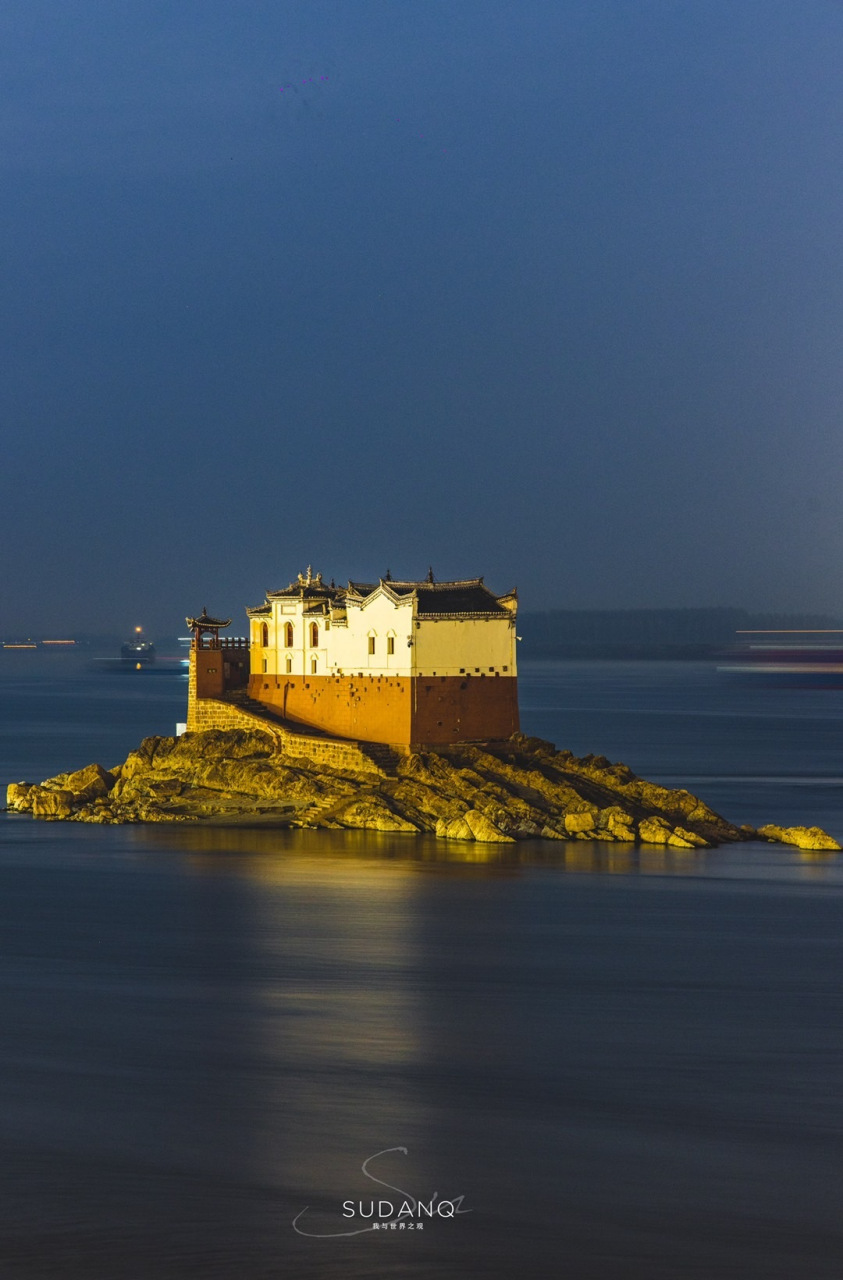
205, 620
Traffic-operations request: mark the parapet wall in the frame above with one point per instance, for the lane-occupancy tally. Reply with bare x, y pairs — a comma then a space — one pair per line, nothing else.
214, 713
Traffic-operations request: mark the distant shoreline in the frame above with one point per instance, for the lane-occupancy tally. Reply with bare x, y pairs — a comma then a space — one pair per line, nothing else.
620, 653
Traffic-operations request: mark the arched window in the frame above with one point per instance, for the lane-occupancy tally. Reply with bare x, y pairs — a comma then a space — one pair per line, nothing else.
288, 635
390, 642
314, 635
265, 636
371, 642
313, 666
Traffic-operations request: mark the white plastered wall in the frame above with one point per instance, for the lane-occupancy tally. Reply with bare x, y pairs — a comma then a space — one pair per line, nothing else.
379, 618
446, 646
457, 646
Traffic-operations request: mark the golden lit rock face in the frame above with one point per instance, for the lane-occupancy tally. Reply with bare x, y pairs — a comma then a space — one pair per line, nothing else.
802, 837
86, 784
490, 794
51, 804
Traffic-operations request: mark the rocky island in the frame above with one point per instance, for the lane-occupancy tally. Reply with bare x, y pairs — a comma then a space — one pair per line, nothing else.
522, 788
389, 706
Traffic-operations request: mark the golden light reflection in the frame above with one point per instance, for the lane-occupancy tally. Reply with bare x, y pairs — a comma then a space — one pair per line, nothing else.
274, 854
332, 1016
817, 864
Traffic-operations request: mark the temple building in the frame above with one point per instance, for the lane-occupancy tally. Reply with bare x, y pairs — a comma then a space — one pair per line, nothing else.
408, 664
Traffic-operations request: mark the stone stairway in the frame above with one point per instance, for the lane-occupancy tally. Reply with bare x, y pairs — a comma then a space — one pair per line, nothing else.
242, 700
382, 756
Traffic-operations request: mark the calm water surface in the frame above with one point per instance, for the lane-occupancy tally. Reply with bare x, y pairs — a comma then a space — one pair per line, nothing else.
629, 1063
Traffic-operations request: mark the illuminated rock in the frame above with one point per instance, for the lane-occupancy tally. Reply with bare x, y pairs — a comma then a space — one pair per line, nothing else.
490, 793
654, 831
576, 822
85, 784
47, 803
801, 837
483, 829
17, 797
372, 814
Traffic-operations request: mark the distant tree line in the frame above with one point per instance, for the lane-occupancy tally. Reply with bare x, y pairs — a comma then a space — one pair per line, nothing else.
651, 633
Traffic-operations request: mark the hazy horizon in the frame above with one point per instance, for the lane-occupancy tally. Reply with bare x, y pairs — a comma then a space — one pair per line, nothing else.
704, 613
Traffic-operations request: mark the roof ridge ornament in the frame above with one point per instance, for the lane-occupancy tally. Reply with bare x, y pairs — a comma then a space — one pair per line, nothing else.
430, 573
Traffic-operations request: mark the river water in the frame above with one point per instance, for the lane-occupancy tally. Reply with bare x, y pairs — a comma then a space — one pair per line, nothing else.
613, 1063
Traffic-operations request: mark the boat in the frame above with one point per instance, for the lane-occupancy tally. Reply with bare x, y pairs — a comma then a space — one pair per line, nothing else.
137, 651
136, 654
793, 659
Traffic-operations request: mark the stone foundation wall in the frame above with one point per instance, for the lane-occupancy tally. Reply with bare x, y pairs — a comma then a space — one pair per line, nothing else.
212, 713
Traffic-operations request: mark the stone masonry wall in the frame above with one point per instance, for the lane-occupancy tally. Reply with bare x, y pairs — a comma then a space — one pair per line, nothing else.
212, 713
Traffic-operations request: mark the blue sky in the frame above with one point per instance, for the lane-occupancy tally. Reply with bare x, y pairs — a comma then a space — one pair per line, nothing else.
548, 292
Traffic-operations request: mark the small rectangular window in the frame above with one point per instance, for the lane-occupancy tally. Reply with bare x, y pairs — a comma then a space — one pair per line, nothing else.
390, 644
371, 644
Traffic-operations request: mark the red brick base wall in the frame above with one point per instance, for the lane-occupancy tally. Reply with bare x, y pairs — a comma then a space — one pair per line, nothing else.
367, 708
465, 708
424, 710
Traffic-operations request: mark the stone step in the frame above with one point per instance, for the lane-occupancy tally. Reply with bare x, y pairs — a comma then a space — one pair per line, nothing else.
381, 755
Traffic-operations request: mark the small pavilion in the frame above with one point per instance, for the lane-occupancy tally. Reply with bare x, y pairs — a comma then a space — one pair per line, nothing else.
205, 625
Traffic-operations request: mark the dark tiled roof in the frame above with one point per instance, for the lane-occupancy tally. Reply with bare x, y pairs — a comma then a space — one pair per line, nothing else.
296, 591
470, 596
307, 591
444, 597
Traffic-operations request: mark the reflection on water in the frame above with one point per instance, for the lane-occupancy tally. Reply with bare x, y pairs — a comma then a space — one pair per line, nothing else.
272, 855
276, 855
